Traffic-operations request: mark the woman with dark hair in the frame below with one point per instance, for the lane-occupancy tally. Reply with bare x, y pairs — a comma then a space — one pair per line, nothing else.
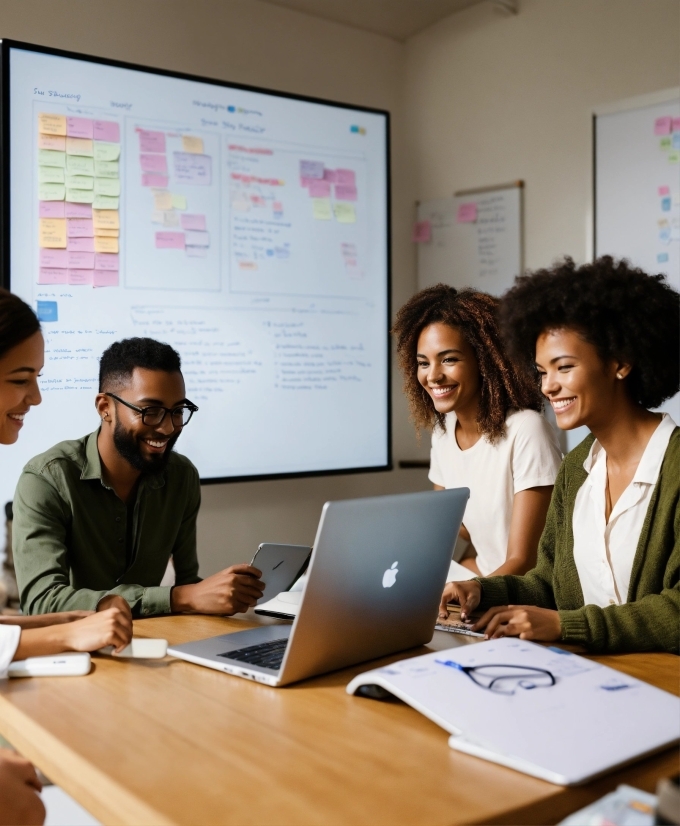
487, 430
603, 341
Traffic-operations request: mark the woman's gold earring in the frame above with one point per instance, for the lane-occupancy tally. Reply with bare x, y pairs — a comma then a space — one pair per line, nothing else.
619, 376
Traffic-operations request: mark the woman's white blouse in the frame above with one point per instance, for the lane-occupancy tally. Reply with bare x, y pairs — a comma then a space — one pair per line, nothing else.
604, 551
9, 642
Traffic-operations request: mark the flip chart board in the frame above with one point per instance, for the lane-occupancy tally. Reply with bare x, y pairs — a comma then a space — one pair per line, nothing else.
246, 228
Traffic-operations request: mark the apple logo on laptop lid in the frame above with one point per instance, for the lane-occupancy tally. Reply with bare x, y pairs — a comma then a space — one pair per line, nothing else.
390, 576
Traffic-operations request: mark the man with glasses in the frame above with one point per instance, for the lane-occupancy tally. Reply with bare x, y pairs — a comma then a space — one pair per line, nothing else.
97, 519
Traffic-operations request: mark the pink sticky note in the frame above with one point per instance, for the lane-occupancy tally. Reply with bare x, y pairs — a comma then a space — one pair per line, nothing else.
80, 260
663, 190
307, 182
331, 176
197, 239
345, 193
106, 130
154, 163
346, 177
170, 240
311, 169
105, 278
195, 222
51, 275
54, 258
663, 126
80, 278
52, 209
79, 128
78, 210
80, 244
676, 125
106, 261
320, 189
467, 213
152, 179
422, 232
151, 141
79, 228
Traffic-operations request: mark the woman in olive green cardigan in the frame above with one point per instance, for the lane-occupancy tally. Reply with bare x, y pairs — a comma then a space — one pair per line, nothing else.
604, 341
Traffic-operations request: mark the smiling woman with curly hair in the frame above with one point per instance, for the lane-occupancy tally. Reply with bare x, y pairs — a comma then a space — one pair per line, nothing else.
488, 434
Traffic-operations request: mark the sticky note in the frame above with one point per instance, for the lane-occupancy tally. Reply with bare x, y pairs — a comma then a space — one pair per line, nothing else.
195, 222
162, 200
51, 175
169, 218
151, 141
78, 165
54, 258
665, 143
105, 278
106, 151
105, 219
107, 186
51, 209
80, 228
47, 311
80, 196
51, 192
664, 190
321, 209
103, 244
307, 182
105, 202
662, 258
330, 176
51, 275
50, 157
467, 213
422, 232
79, 128
108, 233
197, 239
192, 169
345, 213
154, 179
106, 169
319, 189
197, 252
663, 126
675, 125
106, 130
78, 210
57, 142
80, 146
345, 177
80, 244
192, 144
52, 233
154, 163
666, 204
311, 169
674, 157
345, 193
80, 260
675, 140
80, 278
179, 201
52, 124
106, 261
80, 182
170, 240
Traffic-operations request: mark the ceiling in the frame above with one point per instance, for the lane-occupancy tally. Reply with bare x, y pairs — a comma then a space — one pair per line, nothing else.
398, 19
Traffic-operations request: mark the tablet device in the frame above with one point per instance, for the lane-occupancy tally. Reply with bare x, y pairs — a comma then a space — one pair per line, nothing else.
281, 565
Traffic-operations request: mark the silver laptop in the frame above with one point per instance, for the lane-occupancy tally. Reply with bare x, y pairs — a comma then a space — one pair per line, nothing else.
374, 585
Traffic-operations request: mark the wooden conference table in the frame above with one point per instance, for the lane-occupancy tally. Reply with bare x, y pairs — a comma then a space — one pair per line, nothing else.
167, 742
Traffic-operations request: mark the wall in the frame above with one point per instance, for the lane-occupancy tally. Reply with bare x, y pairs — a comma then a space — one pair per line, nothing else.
246, 41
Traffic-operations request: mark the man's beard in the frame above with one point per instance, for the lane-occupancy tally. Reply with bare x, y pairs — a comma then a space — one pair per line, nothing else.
128, 446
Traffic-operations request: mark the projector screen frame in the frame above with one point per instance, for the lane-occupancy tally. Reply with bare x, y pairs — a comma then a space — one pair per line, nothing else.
6, 45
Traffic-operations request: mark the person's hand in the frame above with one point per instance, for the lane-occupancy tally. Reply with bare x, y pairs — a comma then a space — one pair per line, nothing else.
231, 591
524, 621
42, 620
20, 802
112, 626
467, 594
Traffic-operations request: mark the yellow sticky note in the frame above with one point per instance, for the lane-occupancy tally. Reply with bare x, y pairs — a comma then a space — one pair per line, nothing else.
79, 196
192, 144
50, 157
105, 219
57, 142
107, 186
78, 165
105, 202
79, 182
52, 124
322, 209
345, 213
53, 233
162, 200
103, 244
50, 175
51, 192
674, 157
107, 233
106, 151
106, 169
79, 146
179, 202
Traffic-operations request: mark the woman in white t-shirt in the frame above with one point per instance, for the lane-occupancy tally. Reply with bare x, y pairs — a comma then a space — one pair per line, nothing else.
488, 433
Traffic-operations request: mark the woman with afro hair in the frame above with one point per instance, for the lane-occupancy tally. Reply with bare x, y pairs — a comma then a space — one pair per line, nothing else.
602, 339
487, 430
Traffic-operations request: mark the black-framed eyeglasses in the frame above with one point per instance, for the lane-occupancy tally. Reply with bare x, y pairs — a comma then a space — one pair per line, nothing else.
155, 415
503, 679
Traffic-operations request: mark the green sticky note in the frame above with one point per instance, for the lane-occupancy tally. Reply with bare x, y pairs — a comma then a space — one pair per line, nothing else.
179, 202
80, 196
107, 186
106, 151
51, 192
106, 169
50, 175
322, 209
79, 182
51, 157
674, 156
345, 213
665, 143
105, 202
78, 165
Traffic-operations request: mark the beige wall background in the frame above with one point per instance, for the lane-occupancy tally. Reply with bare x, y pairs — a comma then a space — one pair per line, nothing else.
476, 99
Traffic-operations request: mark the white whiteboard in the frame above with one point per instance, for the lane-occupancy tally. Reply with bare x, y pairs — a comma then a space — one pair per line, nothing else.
485, 253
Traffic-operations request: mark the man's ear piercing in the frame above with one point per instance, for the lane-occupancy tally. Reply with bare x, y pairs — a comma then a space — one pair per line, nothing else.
619, 376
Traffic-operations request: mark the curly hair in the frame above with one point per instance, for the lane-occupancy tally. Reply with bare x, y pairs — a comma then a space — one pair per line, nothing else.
120, 359
623, 312
475, 314
17, 321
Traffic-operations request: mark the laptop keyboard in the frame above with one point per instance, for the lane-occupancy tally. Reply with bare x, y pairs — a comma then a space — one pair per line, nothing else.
265, 654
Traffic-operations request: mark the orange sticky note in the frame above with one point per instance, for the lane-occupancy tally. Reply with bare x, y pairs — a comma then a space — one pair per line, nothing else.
107, 233
50, 124
105, 219
56, 142
103, 244
53, 233
162, 200
192, 144
80, 146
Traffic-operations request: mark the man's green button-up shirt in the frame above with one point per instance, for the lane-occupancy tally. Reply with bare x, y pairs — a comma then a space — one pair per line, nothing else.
70, 532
